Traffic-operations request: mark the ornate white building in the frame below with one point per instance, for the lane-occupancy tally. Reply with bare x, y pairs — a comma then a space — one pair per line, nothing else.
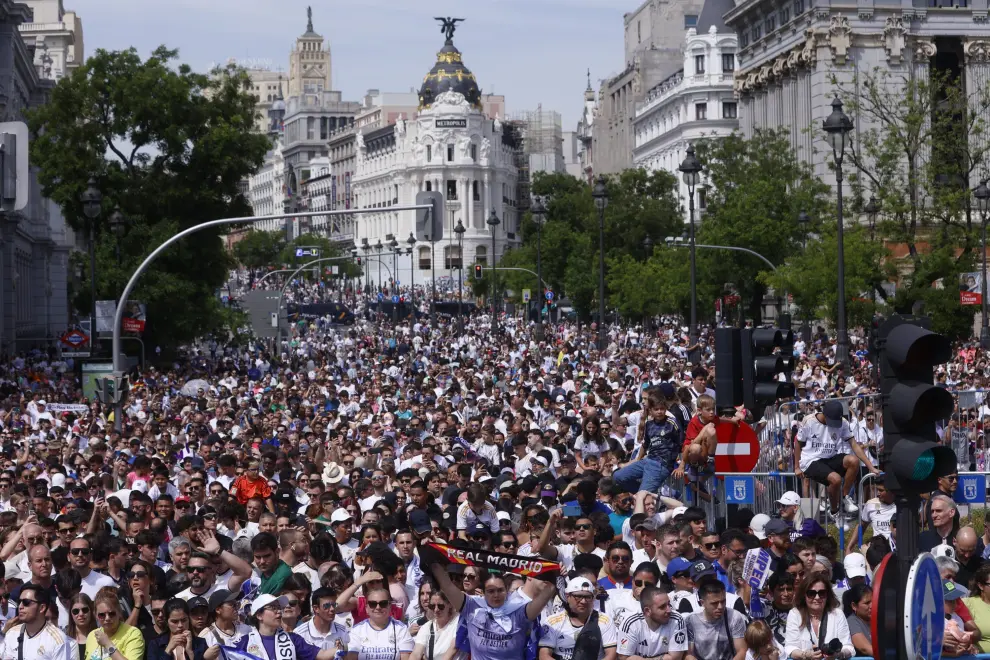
450, 146
266, 189
695, 103
56, 36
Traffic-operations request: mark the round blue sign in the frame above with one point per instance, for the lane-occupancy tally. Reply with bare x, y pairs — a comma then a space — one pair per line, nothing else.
549, 295
924, 614
381, 296
395, 299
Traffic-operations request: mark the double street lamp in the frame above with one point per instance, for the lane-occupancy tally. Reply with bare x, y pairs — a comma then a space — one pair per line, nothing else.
837, 127
690, 171
459, 230
982, 195
494, 222
600, 194
539, 213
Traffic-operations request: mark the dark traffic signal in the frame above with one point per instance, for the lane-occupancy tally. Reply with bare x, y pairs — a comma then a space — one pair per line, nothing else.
912, 405
479, 272
766, 353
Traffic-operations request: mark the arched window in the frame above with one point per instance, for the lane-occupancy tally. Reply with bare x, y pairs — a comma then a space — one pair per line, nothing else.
481, 255
452, 257
424, 258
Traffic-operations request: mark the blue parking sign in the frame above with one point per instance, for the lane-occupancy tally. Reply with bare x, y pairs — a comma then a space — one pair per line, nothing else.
972, 489
740, 490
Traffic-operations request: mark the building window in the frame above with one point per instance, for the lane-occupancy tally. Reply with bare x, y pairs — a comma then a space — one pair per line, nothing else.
729, 110
481, 255
700, 111
474, 152
429, 153
429, 186
785, 15
703, 197
450, 153
451, 189
452, 257
310, 128
690, 21
771, 22
798, 7
756, 33
699, 64
639, 32
475, 191
323, 128
728, 62
424, 258
743, 39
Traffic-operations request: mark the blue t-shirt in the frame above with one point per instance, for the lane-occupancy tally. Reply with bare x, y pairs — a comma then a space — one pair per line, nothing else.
492, 638
663, 441
304, 650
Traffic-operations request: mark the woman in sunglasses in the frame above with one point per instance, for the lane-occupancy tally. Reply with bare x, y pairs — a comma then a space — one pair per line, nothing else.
816, 626
436, 638
380, 636
82, 621
114, 639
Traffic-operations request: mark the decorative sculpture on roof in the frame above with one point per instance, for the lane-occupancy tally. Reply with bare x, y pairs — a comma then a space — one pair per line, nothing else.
448, 25
309, 19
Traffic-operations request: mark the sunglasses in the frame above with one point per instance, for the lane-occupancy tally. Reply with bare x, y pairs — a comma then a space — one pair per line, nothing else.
816, 593
437, 607
329, 605
132, 575
76, 611
157, 612
80, 552
106, 615
644, 583
292, 603
378, 604
625, 559
714, 545
27, 602
198, 569
582, 527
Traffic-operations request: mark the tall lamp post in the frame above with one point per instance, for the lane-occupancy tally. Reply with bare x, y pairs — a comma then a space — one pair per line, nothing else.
459, 230
539, 213
690, 170
494, 222
354, 256
92, 202
982, 195
804, 220
118, 224
378, 252
411, 242
648, 246
367, 267
600, 195
837, 127
872, 209
394, 246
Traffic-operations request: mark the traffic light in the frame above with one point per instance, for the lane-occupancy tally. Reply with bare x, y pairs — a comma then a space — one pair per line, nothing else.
728, 370
429, 222
766, 353
359, 261
912, 404
479, 272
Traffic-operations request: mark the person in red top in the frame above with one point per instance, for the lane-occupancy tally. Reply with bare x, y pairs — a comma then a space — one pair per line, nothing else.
700, 439
252, 484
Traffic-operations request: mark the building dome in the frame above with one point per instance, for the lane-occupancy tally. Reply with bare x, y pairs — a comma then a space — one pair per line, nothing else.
449, 75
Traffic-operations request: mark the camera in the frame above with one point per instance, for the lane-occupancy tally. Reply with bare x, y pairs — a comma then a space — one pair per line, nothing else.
832, 647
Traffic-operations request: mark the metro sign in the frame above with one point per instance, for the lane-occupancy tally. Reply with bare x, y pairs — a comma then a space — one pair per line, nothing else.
75, 338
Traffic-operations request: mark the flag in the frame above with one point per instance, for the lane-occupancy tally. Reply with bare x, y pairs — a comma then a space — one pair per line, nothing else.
230, 653
441, 553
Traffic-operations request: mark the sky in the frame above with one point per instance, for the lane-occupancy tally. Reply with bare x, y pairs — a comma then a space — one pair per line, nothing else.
531, 51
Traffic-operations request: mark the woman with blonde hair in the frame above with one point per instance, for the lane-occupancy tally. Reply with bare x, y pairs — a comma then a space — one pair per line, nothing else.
114, 639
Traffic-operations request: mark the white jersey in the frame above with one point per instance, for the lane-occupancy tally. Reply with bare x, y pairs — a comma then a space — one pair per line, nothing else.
819, 442
560, 635
387, 644
567, 551
216, 637
636, 637
878, 515
49, 644
336, 637
621, 605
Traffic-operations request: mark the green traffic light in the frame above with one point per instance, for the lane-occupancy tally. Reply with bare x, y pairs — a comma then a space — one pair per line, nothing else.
923, 466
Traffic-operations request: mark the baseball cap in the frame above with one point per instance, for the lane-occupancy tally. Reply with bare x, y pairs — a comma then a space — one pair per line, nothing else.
952, 590
855, 565
197, 602
678, 565
579, 584
648, 525
479, 529
833, 414
284, 496
139, 485
776, 526
263, 601
944, 550
339, 516
790, 498
759, 525
419, 521
678, 511
701, 568
503, 515
221, 596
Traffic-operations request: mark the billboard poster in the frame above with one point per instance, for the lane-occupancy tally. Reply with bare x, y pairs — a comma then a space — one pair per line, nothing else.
135, 316
90, 372
970, 289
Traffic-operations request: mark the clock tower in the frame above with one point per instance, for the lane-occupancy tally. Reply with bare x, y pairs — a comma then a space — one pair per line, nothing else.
309, 62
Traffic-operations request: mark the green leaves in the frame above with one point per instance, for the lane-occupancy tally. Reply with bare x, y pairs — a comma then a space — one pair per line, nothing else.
259, 249
168, 147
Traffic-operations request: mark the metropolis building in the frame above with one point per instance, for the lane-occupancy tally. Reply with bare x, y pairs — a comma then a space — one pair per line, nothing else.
450, 146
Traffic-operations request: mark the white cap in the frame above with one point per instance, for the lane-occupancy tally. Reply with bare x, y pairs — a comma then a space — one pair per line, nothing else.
58, 479
140, 485
790, 498
503, 515
944, 550
758, 524
579, 584
340, 515
41, 402
542, 461
679, 511
264, 600
855, 565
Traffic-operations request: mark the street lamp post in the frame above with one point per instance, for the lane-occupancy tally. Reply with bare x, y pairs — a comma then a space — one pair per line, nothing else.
600, 195
118, 224
459, 230
366, 247
92, 201
394, 245
494, 222
378, 251
690, 170
805, 221
539, 213
872, 211
837, 126
982, 195
411, 242
354, 256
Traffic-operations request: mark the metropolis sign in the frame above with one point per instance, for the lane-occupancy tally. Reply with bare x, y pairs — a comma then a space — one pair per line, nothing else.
451, 123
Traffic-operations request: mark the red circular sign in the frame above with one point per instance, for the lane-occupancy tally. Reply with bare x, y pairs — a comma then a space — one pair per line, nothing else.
738, 447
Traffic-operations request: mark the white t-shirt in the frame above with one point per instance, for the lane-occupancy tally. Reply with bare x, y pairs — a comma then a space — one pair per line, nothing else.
49, 644
621, 606
387, 644
93, 582
443, 639
638, 639
566, 552
560, 635
187, 594
467, 518
819, 442
878, 515
216, 637
336, 633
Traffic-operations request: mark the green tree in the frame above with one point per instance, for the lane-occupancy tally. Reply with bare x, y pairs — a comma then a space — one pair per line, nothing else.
166, 146
327, 248
259, 249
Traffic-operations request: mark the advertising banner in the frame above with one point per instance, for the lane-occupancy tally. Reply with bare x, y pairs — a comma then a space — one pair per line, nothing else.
970, 289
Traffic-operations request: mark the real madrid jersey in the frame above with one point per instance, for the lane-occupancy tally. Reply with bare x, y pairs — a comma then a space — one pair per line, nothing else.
560, 635
49, 644
636, 637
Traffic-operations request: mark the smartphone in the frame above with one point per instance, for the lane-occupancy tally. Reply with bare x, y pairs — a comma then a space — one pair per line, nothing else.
572, 511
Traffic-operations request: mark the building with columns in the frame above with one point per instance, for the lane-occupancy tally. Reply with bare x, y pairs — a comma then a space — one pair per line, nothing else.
695, 103
451, 145
56, 36
309, 62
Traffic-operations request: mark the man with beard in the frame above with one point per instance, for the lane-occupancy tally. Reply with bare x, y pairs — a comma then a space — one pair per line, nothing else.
658, 632
202, 572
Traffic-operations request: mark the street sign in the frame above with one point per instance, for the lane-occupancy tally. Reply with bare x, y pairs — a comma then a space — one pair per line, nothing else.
740, 490
525, 295
924, 610
883, 615
395, 299
75, 343
549, 295
738, 447
381, 297
972, 489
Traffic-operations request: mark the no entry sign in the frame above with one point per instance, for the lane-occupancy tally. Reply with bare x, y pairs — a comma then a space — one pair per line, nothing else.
738, 447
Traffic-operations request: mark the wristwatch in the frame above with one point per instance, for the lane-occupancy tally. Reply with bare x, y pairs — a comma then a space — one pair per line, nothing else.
111, 650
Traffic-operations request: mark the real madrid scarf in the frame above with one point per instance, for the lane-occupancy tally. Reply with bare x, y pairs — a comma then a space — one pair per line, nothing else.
527, 567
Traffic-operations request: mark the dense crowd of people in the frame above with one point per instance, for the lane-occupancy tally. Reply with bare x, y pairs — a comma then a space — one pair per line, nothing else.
279, 508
